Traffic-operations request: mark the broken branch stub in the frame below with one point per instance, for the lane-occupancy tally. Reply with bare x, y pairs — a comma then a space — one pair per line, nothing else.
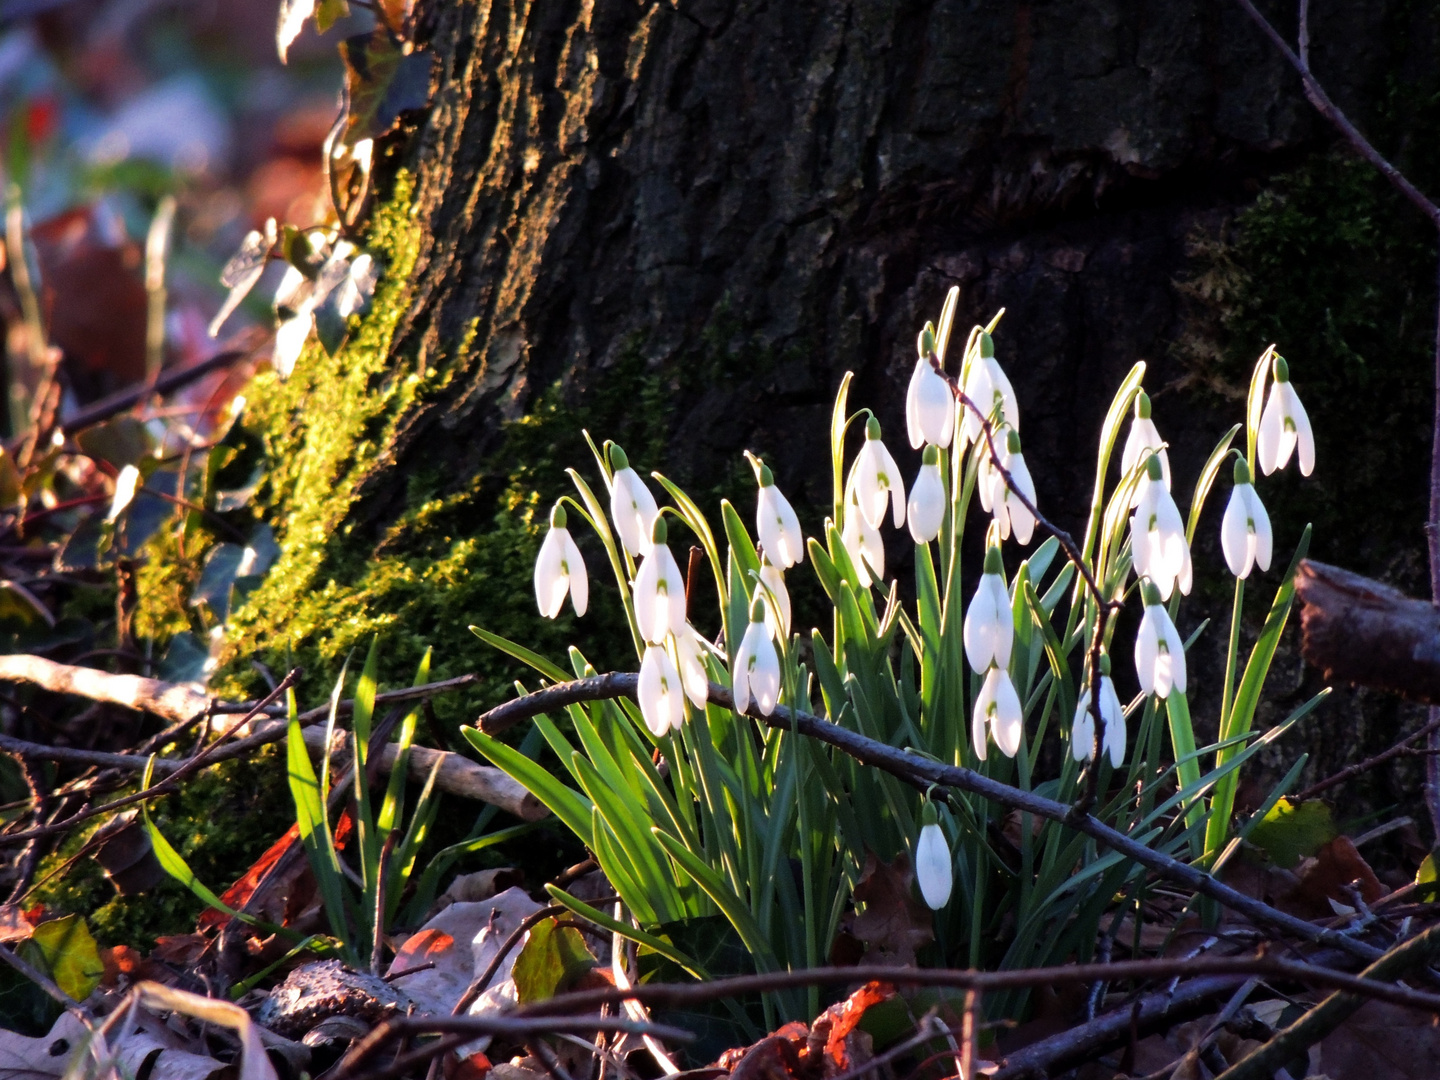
1364, 633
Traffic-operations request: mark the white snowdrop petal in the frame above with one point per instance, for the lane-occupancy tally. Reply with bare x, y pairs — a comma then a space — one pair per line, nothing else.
1267, 442
1082, 731
1007, 722
927, 505
934, 867
1234, 533
1147, 648
578, 576
550, 583
1115, 734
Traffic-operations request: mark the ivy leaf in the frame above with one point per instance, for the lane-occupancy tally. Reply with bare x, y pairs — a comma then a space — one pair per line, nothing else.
70, 955
384, 81
243, 270
329, 12
348, 294
1291, 832
552, 957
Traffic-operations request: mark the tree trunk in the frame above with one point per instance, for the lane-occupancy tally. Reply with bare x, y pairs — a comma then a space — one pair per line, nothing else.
708, 211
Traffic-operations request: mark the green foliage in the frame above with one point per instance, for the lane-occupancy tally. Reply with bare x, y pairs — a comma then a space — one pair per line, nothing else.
1289, 832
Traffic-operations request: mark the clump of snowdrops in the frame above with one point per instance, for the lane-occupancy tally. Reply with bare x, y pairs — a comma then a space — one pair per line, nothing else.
976, 674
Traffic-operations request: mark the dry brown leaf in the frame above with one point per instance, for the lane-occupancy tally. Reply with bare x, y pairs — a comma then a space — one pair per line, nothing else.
894, 923
1383, 1042
1324, 878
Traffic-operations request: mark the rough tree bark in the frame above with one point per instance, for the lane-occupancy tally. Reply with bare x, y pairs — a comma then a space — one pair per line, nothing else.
805, 181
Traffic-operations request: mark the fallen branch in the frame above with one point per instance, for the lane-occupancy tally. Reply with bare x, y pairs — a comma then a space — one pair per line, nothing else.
1400, 749
684, 995
1364, 633
172, 701
924, 773
1333, 1011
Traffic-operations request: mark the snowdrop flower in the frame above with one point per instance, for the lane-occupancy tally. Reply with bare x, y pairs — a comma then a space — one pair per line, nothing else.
776, 523
863, 545
1010, 513
777, 610
1245, 534
1284, 426
877, 479
927, 499
560, 570
662, 702
659, 591
1143, 440
1159, 652
998, 703
632, 507
989, 631
126, 481
757, 666
1082, 732
934, 866
929, 404
693, 676
987, 386
1157, 533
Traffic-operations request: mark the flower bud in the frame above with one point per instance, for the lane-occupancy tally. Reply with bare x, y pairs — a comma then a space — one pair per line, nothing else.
1149, 593
872, 428
926, 342
557, 517
757, 610
618, 460
1282, 369
1242, 471
657, 532
1142, 406
987, 345
994, 564
1105, 664
1012, 441
1154, 469
931, 455
928, 814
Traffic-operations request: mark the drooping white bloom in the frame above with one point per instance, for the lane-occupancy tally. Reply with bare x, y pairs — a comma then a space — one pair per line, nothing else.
777, 525
1159, 650
863, 545
126, 481
560, 570
987, 386
777, 600
878, 480
659, 591
1284, 426
989, 631
929, 404
998, 703
1010, 513
1157, 533
1245, 534
662, 700
1143, 440
756, 676
632, 507
926, 508
693, 676
934, 865
1082, 732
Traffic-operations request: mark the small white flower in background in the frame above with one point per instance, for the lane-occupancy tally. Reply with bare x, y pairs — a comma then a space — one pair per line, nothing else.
878, 480
757, 666
693, 675
777, 611
998, 703
1010, 513
926, 508
929, 404
1284, 426
662, 700
632, 507
1157, 533
659, 591
934, 865
1082, 732
126, 481
776, 522
989, 631
987, 386
1143, 440
1245, 534
560, 570
1159, 650
863, 545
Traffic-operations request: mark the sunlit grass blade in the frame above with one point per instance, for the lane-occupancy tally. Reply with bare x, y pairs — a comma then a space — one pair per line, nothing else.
393, 808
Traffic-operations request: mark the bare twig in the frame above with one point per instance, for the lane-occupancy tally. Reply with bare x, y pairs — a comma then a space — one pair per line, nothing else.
1400, 749
169, 381
42, 980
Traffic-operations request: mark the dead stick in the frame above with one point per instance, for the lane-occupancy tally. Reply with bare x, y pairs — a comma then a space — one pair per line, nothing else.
1400, 749
923, 773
